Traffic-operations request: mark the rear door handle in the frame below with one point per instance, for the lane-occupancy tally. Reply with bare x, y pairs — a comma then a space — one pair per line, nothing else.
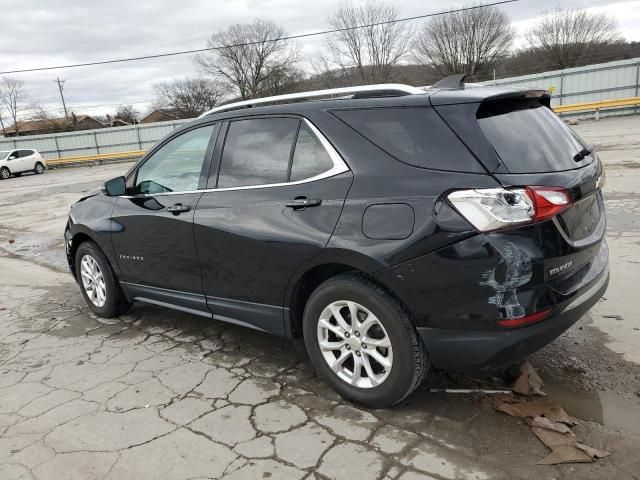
300, 203
178, 208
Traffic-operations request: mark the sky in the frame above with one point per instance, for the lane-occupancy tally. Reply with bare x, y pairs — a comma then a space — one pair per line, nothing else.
37, 33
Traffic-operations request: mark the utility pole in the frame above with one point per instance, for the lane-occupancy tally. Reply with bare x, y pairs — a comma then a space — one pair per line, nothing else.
60, 87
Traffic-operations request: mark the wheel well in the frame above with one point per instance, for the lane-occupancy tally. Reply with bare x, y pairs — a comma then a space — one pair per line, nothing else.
76, 241
305, 287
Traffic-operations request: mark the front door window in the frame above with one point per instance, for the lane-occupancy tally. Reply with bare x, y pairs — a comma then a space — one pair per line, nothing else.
177, 165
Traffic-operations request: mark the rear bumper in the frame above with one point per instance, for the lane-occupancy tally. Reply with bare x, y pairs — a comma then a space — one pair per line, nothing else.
468, 349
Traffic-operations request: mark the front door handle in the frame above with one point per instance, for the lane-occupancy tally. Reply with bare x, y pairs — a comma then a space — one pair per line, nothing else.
300, 203
178, 208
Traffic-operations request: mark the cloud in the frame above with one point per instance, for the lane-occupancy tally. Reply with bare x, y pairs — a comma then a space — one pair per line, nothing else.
53, 32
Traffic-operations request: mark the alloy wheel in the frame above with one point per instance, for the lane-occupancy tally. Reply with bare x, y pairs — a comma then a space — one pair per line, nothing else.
355, 344
39, 168
4, 174
93, 281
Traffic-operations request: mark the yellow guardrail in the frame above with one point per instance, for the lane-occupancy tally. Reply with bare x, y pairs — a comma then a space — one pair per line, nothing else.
576, 107
94, 158
591, 106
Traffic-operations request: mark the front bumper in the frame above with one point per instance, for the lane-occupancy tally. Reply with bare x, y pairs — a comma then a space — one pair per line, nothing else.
468, 349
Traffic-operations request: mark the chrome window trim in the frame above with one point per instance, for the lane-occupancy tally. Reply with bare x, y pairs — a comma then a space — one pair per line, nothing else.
339, 166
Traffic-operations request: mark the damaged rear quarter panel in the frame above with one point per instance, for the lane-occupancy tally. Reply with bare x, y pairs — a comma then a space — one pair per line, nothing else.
478, 280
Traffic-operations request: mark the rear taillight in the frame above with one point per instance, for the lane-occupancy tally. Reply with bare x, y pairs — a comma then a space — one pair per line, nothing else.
495, 208
549, 201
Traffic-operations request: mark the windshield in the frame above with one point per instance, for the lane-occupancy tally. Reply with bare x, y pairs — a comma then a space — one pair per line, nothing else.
3, 154
529, 138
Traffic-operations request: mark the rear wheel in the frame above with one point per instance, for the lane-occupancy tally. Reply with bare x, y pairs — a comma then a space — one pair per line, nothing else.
99, 285
4, 173
362, 341
39, 168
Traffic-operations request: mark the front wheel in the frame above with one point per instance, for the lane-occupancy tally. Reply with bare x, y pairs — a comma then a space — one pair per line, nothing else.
362, 341
39, 168
99, 285
4, 173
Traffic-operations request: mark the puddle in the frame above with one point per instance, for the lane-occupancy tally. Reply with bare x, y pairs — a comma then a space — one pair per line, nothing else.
606, 408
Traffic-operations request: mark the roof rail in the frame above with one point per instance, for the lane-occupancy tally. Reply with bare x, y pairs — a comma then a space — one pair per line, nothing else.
384, 89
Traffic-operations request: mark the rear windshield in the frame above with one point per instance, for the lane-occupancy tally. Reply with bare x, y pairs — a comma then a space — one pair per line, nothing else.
413, 135
529, 138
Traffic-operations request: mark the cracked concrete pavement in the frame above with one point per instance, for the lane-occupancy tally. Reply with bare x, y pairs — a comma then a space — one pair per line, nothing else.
162, 394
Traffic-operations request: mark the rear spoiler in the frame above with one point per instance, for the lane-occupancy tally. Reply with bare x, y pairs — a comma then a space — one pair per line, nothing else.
488, 93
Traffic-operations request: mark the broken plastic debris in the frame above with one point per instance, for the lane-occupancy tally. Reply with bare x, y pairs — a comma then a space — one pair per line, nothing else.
549, 422
565, 454
529, 382
553, 439
544, 422
537, 408
591, 451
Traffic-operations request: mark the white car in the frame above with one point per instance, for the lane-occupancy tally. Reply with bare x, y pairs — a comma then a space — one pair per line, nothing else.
16, 162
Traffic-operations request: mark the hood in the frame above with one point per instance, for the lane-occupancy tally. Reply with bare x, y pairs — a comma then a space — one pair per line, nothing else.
91, 193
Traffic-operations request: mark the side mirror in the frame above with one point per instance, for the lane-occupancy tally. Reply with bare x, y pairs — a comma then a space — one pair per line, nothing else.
13, 156
115, 187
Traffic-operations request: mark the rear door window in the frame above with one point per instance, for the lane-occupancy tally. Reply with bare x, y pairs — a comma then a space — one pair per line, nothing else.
310, 158
529, 138
413, 135
257, 152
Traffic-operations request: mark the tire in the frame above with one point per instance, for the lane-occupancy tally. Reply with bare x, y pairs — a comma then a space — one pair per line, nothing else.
388, 322
4, 173
38, 169
105, 299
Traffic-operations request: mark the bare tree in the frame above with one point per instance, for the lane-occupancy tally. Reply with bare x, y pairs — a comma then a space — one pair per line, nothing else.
4, 130
127, 113
468, 41
373, 49
247, 57
47, 124
327, 74
39, 113
566, 37
189, 97
12, 95
285, 80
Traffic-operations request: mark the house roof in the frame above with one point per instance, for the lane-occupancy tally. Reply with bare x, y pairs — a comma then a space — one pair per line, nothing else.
166, 111
37, 125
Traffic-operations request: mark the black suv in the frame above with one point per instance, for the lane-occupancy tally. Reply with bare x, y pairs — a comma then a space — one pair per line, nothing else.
392, 228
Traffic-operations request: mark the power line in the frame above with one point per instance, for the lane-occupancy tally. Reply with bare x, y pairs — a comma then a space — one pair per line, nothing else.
510, 72
279, 39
